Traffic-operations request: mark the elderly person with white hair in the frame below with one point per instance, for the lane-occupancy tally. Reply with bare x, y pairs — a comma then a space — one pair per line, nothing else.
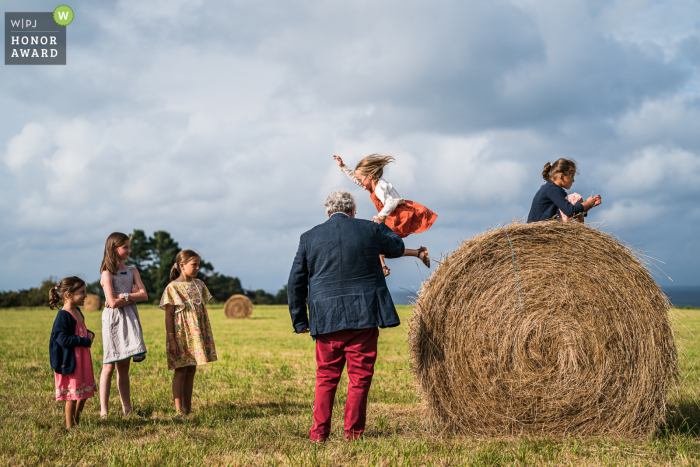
337, 268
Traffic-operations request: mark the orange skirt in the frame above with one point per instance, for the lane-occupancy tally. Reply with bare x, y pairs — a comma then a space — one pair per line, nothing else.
408, 218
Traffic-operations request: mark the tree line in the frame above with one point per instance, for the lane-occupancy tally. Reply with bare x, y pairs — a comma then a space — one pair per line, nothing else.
153, 256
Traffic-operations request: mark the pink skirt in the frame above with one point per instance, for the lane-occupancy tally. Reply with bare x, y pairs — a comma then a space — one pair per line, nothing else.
81, 383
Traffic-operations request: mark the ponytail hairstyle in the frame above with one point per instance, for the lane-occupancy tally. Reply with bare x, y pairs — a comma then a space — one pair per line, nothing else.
110, 262
373, 165
560, 166
58, 291
184, 257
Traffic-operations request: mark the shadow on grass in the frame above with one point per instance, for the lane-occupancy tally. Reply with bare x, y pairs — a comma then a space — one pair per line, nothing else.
682, 419
231, 411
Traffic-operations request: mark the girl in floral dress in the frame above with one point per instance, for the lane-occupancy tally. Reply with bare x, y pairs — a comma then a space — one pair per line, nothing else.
404, 217
69, 349
190, 341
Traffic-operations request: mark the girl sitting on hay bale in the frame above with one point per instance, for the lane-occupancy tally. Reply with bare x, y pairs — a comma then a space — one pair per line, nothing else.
404, 217
551, 202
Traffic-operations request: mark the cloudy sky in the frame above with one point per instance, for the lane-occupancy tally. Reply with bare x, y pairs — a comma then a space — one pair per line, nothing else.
217, 121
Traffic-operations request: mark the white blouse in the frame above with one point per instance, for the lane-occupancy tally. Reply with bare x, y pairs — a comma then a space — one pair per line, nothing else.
384, 192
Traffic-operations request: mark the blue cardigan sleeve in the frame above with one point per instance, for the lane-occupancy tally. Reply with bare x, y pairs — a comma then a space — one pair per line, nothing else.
64, 332
298, 289
558, 197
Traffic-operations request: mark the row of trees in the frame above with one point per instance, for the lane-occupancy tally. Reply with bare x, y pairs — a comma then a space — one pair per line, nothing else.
154, 256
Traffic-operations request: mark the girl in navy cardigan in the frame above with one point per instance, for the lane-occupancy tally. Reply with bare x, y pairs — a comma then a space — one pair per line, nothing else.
551, 198
69, 349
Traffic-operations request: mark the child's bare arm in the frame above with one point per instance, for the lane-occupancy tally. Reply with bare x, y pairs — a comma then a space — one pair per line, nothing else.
138, 290
111, 298
170, 328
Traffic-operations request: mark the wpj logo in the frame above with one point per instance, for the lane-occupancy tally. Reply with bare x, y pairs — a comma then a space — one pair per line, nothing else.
37, 38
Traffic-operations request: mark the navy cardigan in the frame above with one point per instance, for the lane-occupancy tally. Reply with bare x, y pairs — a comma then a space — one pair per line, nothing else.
63, 343
547, 202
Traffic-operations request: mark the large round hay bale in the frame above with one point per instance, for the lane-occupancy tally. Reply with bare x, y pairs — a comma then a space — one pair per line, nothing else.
92, 303
590, 351
238, 306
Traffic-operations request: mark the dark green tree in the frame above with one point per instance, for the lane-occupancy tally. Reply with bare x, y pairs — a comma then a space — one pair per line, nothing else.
281, 297
163, 250
222, 287
141, 258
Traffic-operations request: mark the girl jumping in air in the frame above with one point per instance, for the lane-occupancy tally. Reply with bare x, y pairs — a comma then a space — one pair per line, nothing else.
551, 202
404, 217
69, 349
122, 336
190, 341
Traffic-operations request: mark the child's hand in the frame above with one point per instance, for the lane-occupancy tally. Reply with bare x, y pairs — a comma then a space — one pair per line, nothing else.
91, 335
339, 161
172, 347
592, 202
379, 219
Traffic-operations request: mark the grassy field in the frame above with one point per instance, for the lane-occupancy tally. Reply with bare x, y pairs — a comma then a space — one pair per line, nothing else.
254, 406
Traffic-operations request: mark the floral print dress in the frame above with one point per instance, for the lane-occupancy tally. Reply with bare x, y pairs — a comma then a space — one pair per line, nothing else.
193, 335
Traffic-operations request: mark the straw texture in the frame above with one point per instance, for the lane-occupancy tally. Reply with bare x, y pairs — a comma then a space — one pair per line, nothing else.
238, 306
590, 352
92, 303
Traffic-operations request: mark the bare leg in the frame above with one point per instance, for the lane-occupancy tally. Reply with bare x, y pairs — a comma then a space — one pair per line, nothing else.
188, 386
123, 384
78, 410
70, 414
179, 388
105, 385
421, 253
384, 266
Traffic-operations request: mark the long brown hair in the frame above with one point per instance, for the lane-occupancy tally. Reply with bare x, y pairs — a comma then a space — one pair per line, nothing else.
69, 284
560, 166
184, 257
373, 165
110, 262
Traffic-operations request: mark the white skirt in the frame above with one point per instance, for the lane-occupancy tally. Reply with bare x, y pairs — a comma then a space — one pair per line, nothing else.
122, 336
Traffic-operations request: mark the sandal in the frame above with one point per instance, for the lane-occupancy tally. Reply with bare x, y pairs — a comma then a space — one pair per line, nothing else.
426, 256
386, 271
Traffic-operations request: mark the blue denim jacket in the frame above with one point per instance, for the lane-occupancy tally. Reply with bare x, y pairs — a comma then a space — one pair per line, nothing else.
337, 268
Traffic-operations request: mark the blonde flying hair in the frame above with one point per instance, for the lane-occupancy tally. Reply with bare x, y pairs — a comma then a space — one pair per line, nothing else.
373, 165
560, 166
184, 257
57, 292
110, 262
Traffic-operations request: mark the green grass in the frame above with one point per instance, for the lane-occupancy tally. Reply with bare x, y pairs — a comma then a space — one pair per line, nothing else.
254, 406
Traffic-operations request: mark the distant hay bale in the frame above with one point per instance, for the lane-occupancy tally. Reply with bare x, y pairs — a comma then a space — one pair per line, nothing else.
238, 306
92, 303
591, 352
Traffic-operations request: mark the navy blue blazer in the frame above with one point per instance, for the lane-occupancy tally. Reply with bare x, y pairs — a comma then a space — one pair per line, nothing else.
337, 267
547, 202
63, 343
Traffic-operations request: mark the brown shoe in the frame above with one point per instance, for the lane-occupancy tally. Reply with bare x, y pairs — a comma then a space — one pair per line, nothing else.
424, 256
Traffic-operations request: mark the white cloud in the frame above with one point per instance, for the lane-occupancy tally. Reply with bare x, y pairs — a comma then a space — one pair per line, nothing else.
216, 121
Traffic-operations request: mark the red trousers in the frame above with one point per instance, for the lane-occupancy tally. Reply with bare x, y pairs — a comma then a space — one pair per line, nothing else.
359, 349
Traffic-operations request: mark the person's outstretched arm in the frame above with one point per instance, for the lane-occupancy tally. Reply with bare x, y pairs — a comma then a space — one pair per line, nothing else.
390, 244
347, 171
298, 290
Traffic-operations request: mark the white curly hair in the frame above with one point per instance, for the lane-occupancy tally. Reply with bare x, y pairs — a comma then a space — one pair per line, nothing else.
340, 201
